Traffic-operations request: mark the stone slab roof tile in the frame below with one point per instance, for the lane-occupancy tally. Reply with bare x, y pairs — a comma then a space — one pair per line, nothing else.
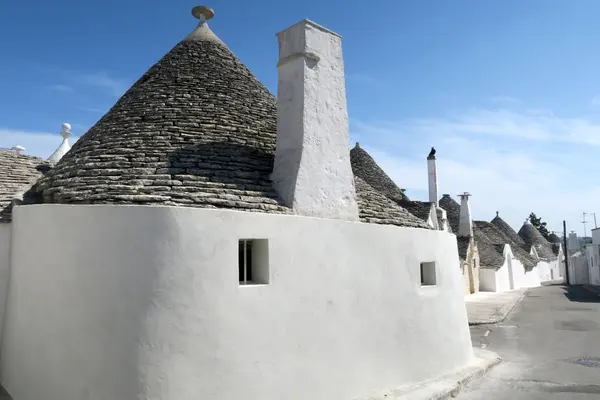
463, 247
197, 129
376, 208
499, 238
499, 223
490, 255
419, 209
17, 173
554, 238
532, 237
365, 167
452, 211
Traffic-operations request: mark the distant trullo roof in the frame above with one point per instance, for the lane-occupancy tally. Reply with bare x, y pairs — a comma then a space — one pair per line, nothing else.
553, 238
17, 173
197, 129
499, 238
452, 211
532, 237
507, 230
490, 255
365, 167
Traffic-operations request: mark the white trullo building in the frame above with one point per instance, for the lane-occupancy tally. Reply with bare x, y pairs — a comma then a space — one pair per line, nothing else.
122, 259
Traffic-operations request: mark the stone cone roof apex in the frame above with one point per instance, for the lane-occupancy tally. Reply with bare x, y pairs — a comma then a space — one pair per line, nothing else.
203, 31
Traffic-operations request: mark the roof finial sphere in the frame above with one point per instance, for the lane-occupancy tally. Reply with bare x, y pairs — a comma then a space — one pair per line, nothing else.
203, 13
66, 127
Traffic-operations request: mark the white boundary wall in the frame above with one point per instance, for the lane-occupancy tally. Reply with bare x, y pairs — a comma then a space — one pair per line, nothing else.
5, 235
125, 302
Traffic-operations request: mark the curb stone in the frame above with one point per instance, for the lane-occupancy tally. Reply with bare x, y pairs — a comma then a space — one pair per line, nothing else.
447, 386
501, 314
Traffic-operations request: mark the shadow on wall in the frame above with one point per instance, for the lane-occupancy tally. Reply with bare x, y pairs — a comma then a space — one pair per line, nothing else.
4, 394
578, 294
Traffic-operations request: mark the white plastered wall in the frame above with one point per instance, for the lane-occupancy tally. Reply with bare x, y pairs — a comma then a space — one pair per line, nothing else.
5, 235
491, 280
145, 302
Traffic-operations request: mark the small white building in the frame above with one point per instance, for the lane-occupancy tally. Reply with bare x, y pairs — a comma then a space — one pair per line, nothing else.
517, 269
196, 175
594, 267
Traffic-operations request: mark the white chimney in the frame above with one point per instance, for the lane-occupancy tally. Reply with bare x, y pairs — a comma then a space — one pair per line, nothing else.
465, 223
432, 174
312, 171
64, 147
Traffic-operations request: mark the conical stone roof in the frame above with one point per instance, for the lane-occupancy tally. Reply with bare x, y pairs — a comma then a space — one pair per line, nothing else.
375, 208
490, 256
554, 238
17, 173
499, 238
532, 237
365, 167
197, 129
452, 211
499, 223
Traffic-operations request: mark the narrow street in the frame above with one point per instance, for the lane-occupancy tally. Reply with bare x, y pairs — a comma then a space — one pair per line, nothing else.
550, 345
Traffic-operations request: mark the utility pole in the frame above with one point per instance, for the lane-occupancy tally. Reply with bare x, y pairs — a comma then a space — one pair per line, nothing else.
566, 252
584, 222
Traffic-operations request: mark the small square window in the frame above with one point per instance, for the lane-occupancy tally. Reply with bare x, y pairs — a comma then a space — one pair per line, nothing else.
428, 277
253, 261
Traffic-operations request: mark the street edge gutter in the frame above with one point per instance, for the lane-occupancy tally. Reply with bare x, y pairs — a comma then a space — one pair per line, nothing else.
447, 386
503, 312
594, 289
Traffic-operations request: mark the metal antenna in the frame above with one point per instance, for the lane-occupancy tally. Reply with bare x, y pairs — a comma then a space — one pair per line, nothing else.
584, 222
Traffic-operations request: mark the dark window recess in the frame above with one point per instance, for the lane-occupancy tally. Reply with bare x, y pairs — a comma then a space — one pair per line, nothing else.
245, 261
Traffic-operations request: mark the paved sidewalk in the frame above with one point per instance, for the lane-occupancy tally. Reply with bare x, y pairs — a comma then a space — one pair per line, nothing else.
491, 307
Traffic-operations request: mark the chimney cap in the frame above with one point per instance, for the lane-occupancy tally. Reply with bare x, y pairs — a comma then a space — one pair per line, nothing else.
203, 13
464, 194
497, 213
357, 145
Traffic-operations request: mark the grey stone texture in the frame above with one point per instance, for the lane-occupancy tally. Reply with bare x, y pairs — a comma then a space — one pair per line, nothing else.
532, 237
365, 167
196, 130
452, 211
17, 173
490, 254
376, 208
499, 238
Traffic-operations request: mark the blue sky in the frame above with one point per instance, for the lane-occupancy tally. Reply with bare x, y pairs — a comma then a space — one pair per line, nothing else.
508, 91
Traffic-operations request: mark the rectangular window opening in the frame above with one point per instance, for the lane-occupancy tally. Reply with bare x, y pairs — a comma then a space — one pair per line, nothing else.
253, 261
428, 277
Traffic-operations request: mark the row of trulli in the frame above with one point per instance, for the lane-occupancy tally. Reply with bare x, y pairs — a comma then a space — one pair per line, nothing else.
196, 176
496, 258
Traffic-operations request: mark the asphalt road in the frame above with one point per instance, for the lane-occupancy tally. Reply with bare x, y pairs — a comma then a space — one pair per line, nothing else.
550, 344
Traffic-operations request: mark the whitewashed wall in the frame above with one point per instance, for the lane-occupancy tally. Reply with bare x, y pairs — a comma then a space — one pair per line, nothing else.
144, 302
494, 281
522, 278
5, 231
578, 269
